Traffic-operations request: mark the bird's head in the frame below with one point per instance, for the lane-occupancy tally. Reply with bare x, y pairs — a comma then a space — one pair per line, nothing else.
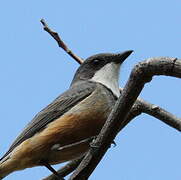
102, 68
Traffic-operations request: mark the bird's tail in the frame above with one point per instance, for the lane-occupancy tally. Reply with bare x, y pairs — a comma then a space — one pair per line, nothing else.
7, 166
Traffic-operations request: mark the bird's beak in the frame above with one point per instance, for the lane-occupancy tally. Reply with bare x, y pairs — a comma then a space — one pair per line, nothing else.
120, 57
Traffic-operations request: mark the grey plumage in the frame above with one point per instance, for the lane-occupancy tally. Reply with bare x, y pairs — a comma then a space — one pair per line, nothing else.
59, 106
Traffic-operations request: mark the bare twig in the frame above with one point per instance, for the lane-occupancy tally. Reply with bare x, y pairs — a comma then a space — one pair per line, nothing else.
65, 170
84, 141
142, 106
60, 42
141, 74
159, 113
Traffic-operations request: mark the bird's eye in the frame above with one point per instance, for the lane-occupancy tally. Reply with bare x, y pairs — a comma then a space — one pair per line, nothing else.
96, 61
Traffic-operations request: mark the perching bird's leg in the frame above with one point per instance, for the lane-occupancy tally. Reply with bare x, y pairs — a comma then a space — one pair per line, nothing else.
48, 166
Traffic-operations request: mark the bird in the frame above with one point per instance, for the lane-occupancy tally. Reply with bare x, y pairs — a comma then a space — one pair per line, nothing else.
58, 132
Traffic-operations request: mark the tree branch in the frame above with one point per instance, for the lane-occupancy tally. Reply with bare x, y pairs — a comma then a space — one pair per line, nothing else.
60, 42
142, 106
159, 113
65, 170
141, 74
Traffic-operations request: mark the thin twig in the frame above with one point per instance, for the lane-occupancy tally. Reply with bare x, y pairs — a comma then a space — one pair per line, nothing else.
65, 170
142, 106
84, 141
60, 42
160, 114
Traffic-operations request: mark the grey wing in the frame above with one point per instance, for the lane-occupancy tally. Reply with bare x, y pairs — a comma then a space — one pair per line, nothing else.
54, 110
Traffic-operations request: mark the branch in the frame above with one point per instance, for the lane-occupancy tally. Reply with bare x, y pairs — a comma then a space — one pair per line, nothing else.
60, 42
65, 170
159, 113
142, 106
141, 74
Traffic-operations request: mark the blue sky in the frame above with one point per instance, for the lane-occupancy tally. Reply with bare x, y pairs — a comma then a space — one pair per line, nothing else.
34, 70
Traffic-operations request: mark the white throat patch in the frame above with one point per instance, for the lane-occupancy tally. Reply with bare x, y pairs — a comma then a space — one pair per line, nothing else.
109, 77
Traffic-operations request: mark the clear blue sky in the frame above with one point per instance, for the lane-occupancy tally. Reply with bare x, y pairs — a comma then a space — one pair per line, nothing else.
34, 70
